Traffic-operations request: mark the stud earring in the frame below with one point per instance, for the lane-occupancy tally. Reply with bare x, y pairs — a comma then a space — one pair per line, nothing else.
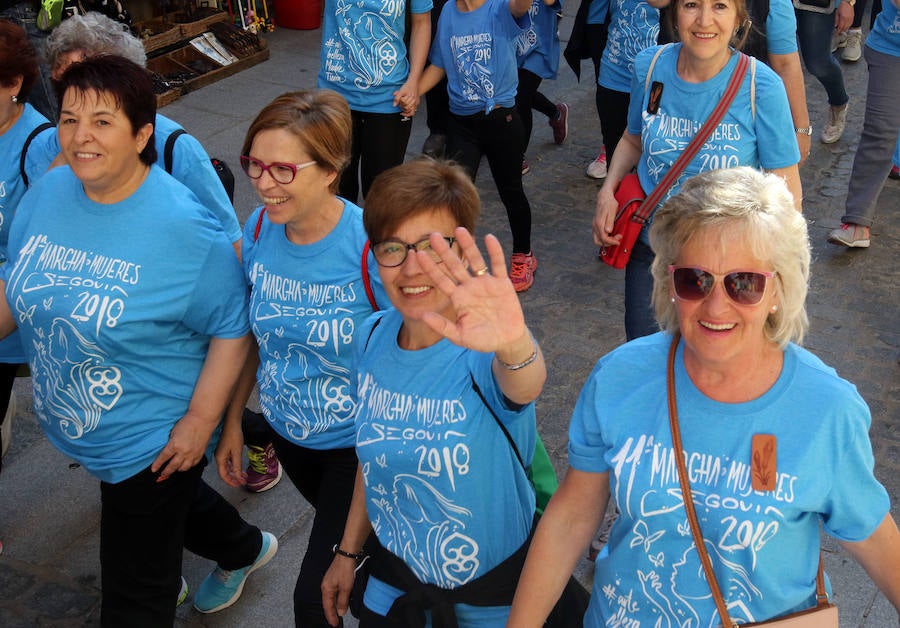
673, 299
774, 308
15, 99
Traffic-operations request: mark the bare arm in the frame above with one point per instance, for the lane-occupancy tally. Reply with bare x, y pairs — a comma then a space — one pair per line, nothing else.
338, 581
567, 526
231, 444
791, 73
7, 320
879, 555
215, 384
407, 97
431, 76
791, 176
518, 8
624, 159
489, 316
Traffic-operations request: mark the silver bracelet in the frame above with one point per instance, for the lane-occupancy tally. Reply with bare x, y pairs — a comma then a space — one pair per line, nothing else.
524, 363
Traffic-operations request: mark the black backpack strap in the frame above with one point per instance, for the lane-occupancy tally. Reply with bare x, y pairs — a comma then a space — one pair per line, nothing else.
34, 133
170, 148
502, 427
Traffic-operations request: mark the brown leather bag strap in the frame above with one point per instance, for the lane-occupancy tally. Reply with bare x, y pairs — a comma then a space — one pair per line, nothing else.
686, 489
687, 498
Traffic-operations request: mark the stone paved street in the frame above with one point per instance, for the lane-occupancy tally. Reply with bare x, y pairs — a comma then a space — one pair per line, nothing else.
49, 509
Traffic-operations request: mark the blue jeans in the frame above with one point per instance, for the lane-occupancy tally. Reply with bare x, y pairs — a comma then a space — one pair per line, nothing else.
814, 31
640, 320
41, 97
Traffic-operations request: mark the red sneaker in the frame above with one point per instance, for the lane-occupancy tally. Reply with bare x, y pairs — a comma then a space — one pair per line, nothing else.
521, 270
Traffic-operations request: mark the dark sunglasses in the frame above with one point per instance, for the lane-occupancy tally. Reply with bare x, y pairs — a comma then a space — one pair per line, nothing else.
392, 252
282, 172
744, 287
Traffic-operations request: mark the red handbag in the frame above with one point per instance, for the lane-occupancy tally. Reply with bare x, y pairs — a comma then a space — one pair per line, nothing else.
630, 196
634, 209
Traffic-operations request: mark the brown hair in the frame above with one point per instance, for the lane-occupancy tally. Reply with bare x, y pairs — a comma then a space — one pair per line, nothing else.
319, 118
17, 58
738, 38
126, 82
418, 187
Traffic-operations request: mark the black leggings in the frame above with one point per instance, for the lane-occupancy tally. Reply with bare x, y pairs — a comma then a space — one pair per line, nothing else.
498, 136
527, 98
613, 109
379, 143
7, 378
326, 479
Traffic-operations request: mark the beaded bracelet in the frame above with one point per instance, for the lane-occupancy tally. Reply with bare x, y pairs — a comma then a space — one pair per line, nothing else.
358, 557
524, 363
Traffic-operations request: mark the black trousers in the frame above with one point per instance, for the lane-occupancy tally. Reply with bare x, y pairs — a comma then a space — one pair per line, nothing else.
379, 143
7, 378
499, 137
325, 478
527, 98
613, 109
145, 526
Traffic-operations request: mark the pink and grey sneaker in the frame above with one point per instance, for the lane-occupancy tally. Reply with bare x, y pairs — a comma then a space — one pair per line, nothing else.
264, 470
521, 270
894, 173
597, 168
560, 126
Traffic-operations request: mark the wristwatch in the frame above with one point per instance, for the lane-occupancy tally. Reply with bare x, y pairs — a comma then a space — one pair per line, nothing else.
805, 130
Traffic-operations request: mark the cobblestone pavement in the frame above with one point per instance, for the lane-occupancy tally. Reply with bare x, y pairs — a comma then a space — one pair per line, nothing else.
49, 508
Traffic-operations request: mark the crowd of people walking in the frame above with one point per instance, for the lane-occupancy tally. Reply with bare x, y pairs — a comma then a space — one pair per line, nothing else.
395, 369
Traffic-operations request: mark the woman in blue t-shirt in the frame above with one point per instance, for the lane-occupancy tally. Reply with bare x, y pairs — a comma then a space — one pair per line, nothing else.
447, 381
307, 264
133, 316
688, 80
23, 159
372, 54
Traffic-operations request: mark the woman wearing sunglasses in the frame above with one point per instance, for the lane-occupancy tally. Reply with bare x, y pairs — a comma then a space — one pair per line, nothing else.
305, 259
448, 378
674, 90
730, 281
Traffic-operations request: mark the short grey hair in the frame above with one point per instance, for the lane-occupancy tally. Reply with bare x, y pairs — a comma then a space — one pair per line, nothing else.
95, 34
760, 208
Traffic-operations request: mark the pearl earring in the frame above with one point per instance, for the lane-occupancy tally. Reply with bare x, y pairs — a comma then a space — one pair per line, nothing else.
774, 309
673, 299
15, 99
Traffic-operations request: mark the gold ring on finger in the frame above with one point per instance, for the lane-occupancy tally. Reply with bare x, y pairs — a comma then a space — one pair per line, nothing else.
481, 272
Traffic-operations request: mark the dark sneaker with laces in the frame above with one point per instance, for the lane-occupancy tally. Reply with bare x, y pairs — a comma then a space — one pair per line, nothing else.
560, 126
521, 270
263, 470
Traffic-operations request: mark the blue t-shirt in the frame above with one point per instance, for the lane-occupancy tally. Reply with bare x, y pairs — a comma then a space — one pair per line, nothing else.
781, 28
477, 50
885, 34
537, 46
41, 153
364, 57
764, 545
116, 304
444, 490
766, 140
634, 27
307, 303
598, 11
191, 166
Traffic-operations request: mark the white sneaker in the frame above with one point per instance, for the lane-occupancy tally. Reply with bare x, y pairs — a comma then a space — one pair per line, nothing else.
837, 120
838, 40
597, 168
853, 48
